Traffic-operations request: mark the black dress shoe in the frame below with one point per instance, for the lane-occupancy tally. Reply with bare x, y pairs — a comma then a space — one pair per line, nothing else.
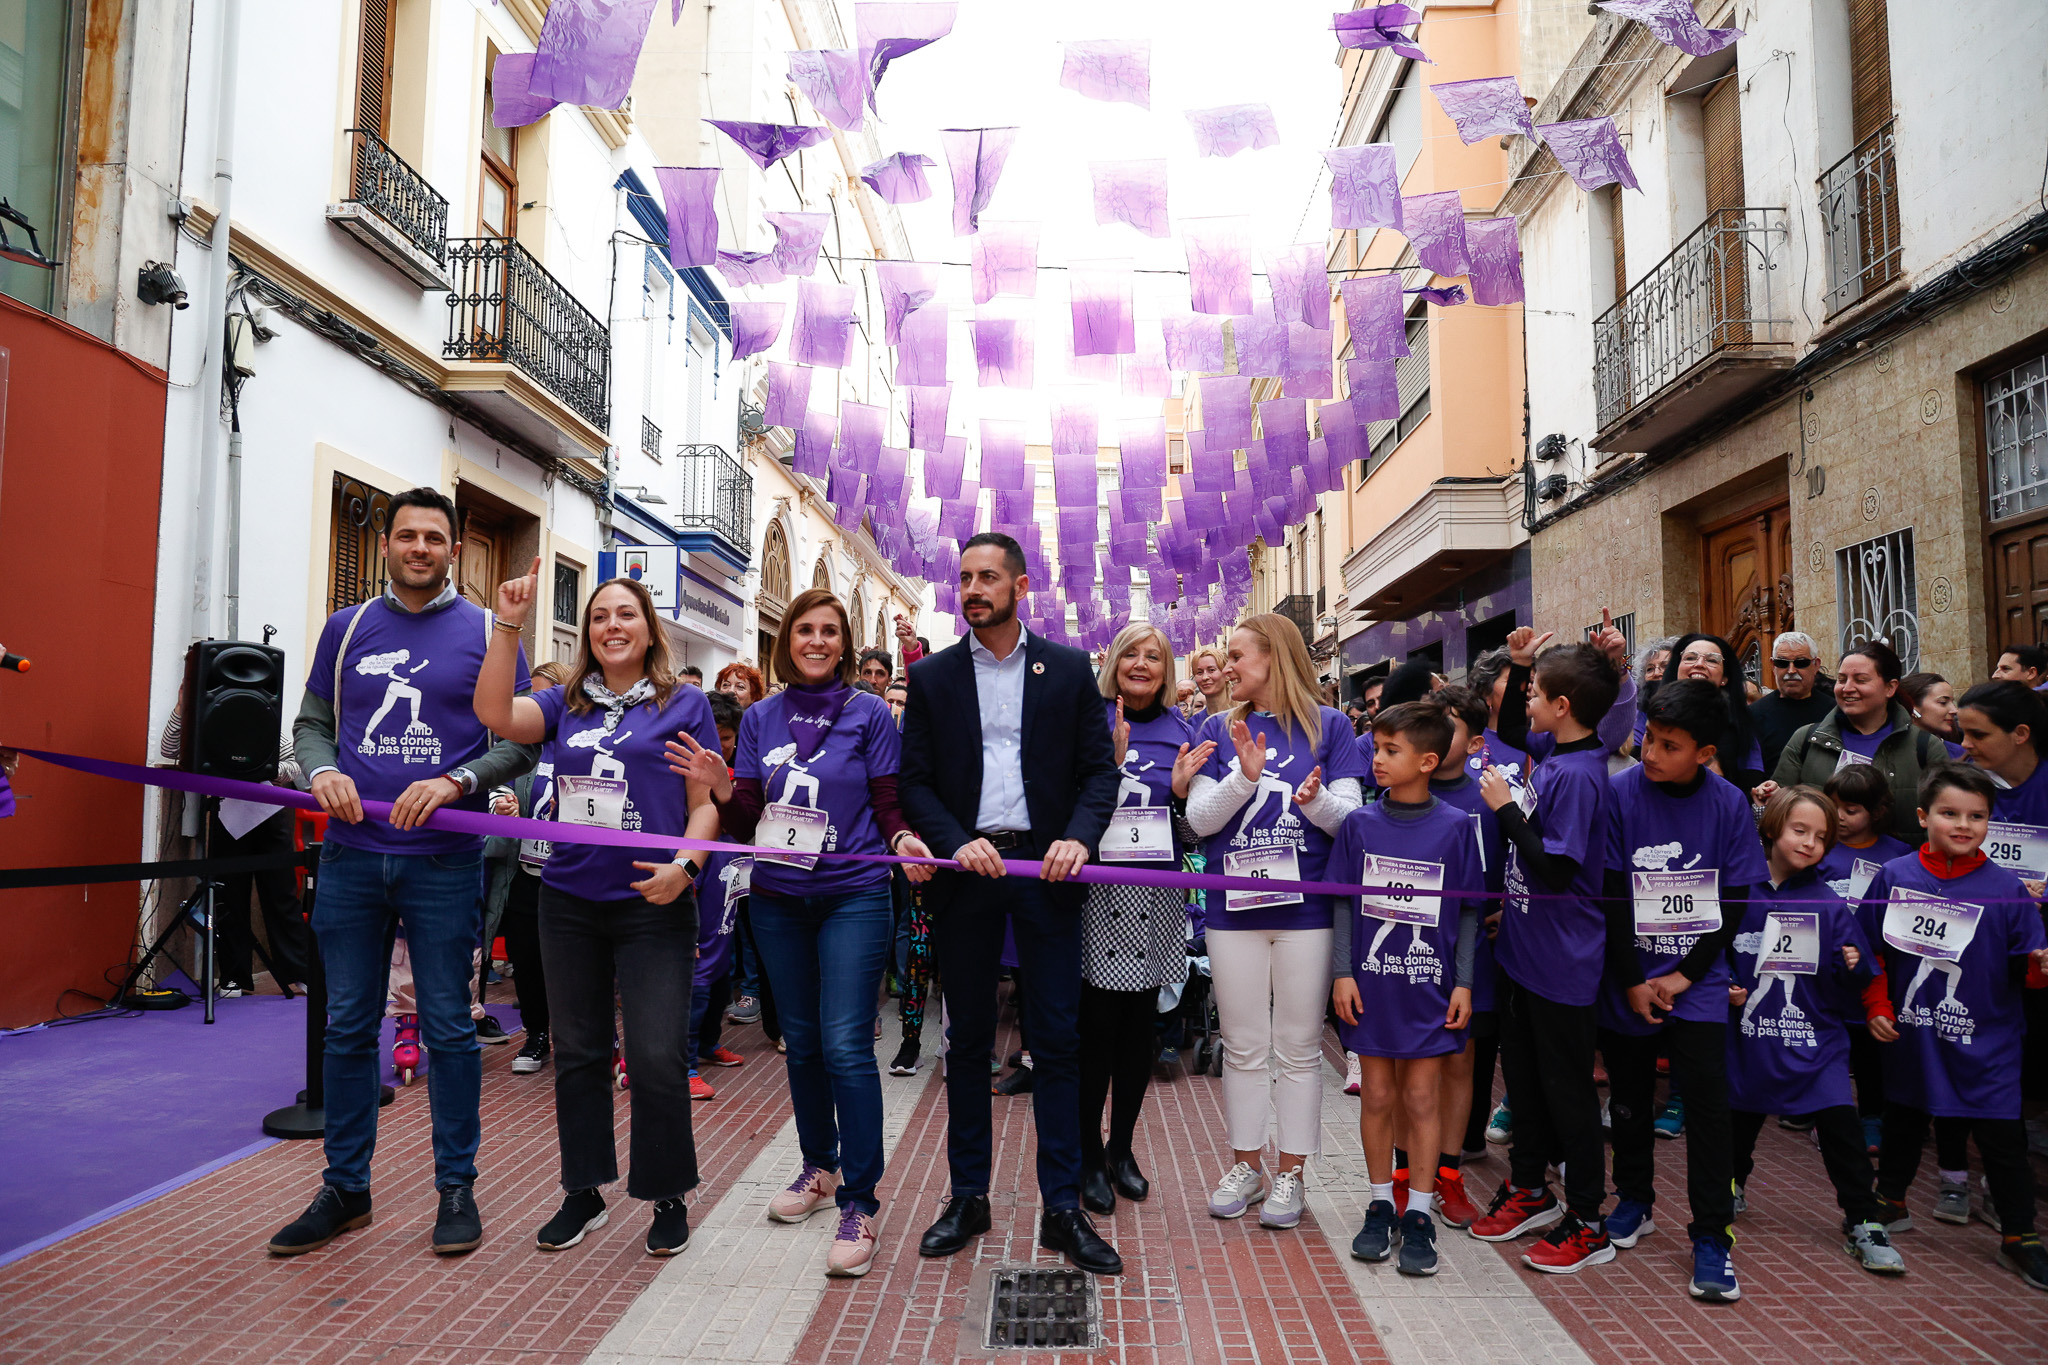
1018, 1082
1129, 1180
458, 1227
1097, 1195
965, 1218
1069, 1232
332, 1212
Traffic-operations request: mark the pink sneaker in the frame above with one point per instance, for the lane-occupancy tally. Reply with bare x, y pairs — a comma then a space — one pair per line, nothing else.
853, 1247
810, 1191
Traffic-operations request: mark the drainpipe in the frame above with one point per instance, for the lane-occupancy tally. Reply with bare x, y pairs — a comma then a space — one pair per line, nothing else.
212, 369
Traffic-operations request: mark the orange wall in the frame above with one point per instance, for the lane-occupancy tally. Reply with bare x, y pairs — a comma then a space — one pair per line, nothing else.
81, 470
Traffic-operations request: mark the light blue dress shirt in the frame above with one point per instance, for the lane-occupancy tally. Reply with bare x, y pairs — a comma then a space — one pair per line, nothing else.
999, 690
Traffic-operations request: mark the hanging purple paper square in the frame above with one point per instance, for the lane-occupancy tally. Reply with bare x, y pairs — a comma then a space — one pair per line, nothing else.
885, 486
686, 194
842, 485
1365, 191
861, 429
905, 286
767, 143
887, 30
1375, 391
1194, 343
1073, 480
797, 239
1003, 351
1378, 26
813, 444
513, 103
1100, 295
1003, 259
741, 268
1011, 510
943, 468
1204, 510
1075, 427
1219, 264
1496, 247
1674, 24
921, 357
1077, 521
1308, 362
1131, 192
1319, 467
1227, 411
1590, 152
1211, 463
846, 515
957, 515
1229, 129
824, 324
755, 327
1142, 507
1144, 374
588, 49
1342, 432
1002, 455
832, 80
1491, 106
1373, 312
900, 179
928, 417
1300, 286
1435, 224
1443, 296
1261, 341
789, 395
975, 156
1109, 69
1142, 451
1283, 422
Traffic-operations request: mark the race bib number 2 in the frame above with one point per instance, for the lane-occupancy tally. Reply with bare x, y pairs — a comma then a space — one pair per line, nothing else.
796, 833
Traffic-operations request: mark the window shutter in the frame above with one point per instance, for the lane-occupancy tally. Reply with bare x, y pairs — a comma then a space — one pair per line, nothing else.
1721, 118
373, 75
1620, 245
1870, 67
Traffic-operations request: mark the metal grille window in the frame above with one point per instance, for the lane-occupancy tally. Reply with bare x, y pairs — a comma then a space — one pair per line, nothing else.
1626, 624
2016, 438
1875, 597
359, 517
568, 593
1411, 381
650, 439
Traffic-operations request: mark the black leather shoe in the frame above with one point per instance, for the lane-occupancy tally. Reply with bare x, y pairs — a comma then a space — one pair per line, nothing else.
965, 1218
1069, 1232
1130, 1182
332, 1212
458, 1227
1018, 1082
1097, 1195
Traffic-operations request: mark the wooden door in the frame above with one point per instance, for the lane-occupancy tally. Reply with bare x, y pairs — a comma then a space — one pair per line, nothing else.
1746, 583
478, 570
2019, 571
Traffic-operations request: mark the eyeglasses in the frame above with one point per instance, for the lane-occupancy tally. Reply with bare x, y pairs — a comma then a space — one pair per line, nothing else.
1803, 661
1691, 658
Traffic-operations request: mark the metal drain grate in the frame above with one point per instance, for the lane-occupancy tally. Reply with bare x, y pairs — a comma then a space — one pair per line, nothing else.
1033, 1307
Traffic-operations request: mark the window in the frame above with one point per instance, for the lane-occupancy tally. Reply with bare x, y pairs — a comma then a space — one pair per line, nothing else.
34, 59
1625, 623
856, 620
359, 515
702, 361
1411, 381
821, 576
1875, 596
498, 187
568, 593
1402, 123
2016, 438
775, 565
656, 321
1870, 67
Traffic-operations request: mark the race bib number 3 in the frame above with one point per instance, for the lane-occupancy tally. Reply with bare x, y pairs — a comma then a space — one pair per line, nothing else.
1668, 903
2023, 849
1791, 943
1276, 862
796, 833
1928, 926
1411, 890
597, 801
1138, 834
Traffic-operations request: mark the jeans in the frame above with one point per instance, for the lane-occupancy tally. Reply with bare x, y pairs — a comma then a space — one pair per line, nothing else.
650, 952
707, 1018
1546, 1056
1699, 1064
823, 957
362, 898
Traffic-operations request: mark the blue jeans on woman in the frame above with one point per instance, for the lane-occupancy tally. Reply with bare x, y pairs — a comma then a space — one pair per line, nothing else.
824, 957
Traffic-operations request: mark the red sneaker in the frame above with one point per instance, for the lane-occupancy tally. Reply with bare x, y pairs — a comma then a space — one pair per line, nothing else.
1400, 1189
725, 1056
700, 1089
1516, 1211
1568, 1248
1453, 1205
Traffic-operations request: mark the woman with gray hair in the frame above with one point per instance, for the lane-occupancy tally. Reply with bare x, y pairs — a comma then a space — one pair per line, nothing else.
1650, 662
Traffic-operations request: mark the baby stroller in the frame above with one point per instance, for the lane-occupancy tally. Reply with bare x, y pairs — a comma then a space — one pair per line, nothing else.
1191, 1020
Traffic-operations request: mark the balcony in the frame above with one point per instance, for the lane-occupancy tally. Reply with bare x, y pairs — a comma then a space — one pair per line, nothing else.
650, 439
1300, 609
1859, 210
1703, 329
506, 310
392, 210
717, 513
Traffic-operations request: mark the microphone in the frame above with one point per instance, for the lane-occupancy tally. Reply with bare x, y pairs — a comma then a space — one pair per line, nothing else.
13, 661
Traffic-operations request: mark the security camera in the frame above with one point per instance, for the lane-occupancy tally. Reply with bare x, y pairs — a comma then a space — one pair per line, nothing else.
158, 283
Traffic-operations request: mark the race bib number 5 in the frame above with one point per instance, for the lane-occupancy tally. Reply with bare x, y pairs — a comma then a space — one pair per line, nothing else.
1669, 903
599, 801
1928, 926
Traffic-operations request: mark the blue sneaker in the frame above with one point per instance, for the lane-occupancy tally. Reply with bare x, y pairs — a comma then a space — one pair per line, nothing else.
1629, 1223
1671, 1119
1375, 1241
1713, 1271
1873, 1135
1418, 1244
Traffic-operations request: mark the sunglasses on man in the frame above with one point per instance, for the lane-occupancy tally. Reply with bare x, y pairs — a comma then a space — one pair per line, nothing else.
1803, 661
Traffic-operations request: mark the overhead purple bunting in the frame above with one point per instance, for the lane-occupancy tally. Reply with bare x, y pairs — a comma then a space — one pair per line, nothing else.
1002, 456
824, 324
1109, 69
1435, 224
1211, 466
1144, 374
1194, 343
1443, 296
513, 103
833, 81
1283, 424
943, 466
1076, 428
1674, 24
1227, 410
928, 417
755, 327
1003, 259
1378, 26
742, 268
1491, 106
1141, 445
686, 196
1308, 361
1319, 468
886, 485
1219, 264
767, 143
1101, 304
1365, 191
1073, 480
588, 49
797, 239
1301, 288
975, 156
1229, 129
1496, 247
1131, 192
789, 395
888, 29
905, 286
814, 444
862, 428
1004, 349
956, 515
900, 179
1372, 310
921, 355
1375, 391
1590, 152
1261, 342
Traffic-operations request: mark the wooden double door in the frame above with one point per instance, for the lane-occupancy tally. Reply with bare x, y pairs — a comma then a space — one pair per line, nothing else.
1746, 584
2019, 584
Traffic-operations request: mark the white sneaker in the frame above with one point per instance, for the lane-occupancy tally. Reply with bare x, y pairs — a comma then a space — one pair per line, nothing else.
1239, 1190
1282, 1208
1352, 1080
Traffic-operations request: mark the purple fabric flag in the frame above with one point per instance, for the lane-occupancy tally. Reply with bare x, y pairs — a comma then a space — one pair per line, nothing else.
1210, 463
887, 30
1284, 425
832, 80
1219, 264
1375, 391
1101, 305
1142, 505
1496, 247
1301, 288
1443, 296
1109, 69
1227, 411
1488, 107
1002, 456
1003, 351
1087, 369
588, 49
921, 357
513, 103
1261, 342
824, 324
1435, 223
767, 143
1144, 374
1204, 510
797, 239
1142, 452
1131, 192
1076, 428
900, 179
813, 444
905, 286
975, 156
1674, 24
1319, 470
1365, 191
1372, 310
885, 486
686, 193
943, 468
1003, 259
928, 417
1590, 152
789, 395
861, 429
956, 515
1073, 480
1011, 510
1194, 343
1229, 129
741, 268
1378, 26
755, 327
1308, 362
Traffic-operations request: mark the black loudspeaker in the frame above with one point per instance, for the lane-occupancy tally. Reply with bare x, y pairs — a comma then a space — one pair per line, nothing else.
233, 705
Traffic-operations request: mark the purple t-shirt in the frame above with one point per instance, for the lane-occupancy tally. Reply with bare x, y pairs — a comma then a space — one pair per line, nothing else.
1554, 944
1270, 819
1146, 778
1856, 742
1490, 750
1848, 870
407, 711
1961, 1024
2026, 804
862, 743
1462, 792
1788, 1044
579, 747
1405, 969
1652, 832
721, 890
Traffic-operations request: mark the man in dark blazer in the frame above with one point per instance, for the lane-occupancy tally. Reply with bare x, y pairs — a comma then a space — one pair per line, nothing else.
1006, 754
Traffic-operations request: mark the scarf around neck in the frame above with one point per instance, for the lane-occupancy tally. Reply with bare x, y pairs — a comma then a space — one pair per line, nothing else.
812, 712
615, 703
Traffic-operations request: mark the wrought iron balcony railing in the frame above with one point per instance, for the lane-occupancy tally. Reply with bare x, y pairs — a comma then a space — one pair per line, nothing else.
718, 496
1300, 609
504, 306
650, 438
1859, 211
1713, 294
380, 180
